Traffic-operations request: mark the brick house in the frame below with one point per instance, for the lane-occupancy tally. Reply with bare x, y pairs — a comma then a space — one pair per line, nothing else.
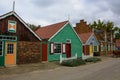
106, 40
18, 43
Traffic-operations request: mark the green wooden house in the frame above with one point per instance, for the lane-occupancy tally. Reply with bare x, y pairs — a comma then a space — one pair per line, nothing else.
59, 38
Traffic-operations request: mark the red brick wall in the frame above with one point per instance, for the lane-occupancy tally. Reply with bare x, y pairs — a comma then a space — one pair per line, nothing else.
28, 52
82, 27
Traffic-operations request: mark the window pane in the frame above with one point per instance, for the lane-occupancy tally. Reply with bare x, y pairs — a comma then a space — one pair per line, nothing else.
57, 48
10, 49
95, 48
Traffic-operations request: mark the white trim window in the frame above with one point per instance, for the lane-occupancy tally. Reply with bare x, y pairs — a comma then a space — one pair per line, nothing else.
1, 48
57, 48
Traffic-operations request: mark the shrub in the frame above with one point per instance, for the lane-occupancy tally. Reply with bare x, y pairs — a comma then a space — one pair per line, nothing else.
73, 62
93, 59
96, 54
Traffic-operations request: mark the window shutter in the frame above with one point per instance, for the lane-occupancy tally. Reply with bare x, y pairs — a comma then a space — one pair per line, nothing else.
87, 49
63, 48
52, 48
84, 49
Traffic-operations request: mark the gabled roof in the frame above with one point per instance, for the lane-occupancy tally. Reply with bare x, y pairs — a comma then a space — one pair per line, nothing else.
85, 36
117, 42
47, 32
19, 18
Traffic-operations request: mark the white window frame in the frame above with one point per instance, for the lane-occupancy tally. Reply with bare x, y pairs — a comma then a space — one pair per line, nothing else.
69, 40
54, 46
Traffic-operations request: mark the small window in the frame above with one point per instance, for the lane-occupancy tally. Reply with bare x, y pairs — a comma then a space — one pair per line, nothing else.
10, 48
95, 48
57, 48
0, 37
1, 48
68, 41
109, 47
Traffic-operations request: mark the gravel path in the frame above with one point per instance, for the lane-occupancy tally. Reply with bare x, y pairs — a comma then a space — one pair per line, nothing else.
108, 69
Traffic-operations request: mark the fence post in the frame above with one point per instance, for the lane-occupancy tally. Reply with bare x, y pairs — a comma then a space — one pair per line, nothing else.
60, 58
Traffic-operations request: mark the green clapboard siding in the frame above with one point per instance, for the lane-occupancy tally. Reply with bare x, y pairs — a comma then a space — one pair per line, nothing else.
66, 33
2, 56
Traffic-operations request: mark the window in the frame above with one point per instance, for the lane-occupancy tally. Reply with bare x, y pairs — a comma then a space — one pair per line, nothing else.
95, 48
102, 47
68, 41
1, 48
57, 47
10, 48
8, 38
108, 47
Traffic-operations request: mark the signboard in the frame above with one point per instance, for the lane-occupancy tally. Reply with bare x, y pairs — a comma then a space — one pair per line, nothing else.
12, 26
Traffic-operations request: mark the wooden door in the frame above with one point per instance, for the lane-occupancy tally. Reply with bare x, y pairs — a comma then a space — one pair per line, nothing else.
44, 52
10, 53
91, 50
68, 50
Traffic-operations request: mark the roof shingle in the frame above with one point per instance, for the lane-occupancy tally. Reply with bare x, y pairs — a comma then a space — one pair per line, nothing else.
84, 36
47, 32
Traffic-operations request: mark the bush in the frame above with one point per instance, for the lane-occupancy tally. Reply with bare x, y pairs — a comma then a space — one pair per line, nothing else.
96, 54
93, 59
73, 62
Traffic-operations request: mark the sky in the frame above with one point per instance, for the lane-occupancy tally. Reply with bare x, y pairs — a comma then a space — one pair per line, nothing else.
45, 12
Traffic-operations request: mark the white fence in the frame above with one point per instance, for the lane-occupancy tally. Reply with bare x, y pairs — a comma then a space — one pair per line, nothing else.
62, 59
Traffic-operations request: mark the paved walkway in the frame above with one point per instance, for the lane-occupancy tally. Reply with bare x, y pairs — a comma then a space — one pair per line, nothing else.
109, 69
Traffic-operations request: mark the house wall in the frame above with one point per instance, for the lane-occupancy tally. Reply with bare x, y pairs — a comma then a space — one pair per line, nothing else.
22, 32
66, 33
28, 49
28, 52
95, 43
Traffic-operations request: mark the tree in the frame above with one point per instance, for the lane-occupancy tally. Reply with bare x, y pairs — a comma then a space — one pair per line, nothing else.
32, 26
98, 25
109, 26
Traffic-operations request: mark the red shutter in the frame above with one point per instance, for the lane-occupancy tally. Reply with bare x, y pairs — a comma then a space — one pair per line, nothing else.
63, 48
86, 49
52, 48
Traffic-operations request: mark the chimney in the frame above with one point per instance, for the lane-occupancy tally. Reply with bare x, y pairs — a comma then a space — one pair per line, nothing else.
82, 20
39, 26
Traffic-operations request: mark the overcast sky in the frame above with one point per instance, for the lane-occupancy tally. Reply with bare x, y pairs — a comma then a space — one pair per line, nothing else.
45, 12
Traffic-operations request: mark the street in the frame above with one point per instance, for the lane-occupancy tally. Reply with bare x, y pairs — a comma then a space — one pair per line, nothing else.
105, 70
